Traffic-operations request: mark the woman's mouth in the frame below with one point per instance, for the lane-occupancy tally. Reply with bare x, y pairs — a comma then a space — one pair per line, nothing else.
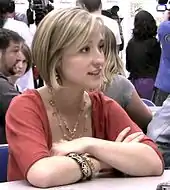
94, 73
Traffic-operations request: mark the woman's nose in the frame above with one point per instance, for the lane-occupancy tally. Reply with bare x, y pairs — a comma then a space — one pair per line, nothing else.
20, 64
99, 59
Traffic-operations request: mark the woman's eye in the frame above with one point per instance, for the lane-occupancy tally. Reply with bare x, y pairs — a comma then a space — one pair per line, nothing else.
16, 51
86, 49
101, 46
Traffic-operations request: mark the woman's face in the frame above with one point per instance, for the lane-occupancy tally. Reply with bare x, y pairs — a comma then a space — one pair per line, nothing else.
84, 68
21, 65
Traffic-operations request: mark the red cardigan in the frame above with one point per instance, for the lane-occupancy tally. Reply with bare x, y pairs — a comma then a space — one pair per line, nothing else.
29, 135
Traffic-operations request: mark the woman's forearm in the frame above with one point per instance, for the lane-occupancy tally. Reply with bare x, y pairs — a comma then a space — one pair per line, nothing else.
135, 159
56, 171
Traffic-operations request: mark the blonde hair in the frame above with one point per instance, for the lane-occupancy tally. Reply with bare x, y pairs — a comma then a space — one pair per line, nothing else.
57, 31
114, 64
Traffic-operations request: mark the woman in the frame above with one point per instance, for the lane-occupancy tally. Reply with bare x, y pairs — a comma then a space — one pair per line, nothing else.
143, 54
23, 65
121, 89
66, 134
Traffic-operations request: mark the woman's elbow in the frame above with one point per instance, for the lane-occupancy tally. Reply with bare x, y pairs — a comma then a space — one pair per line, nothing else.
155, 163
38, 177
158, 167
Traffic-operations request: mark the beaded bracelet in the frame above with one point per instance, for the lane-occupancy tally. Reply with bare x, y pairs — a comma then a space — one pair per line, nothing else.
84, 165
91, 165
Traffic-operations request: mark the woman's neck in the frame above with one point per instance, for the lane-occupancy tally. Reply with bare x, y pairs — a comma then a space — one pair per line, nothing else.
68, 101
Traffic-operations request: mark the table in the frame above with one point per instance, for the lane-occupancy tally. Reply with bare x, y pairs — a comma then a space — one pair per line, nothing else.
138, 183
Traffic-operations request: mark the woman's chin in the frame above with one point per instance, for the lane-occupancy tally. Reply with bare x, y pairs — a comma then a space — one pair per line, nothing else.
94, 86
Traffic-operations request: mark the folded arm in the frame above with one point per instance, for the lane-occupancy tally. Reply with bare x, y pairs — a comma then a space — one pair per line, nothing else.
31, 151
136, 159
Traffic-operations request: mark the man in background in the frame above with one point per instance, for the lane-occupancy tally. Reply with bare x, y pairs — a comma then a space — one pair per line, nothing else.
10, 48
95, 7
10, 5
6, 7
114, 15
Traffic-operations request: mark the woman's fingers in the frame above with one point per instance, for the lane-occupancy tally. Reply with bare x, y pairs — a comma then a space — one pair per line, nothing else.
122, 135
135, 137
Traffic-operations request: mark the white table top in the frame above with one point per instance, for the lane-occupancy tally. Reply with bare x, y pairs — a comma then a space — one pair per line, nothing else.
143, 183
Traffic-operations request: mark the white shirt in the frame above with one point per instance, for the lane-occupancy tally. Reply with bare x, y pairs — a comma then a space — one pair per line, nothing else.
112, 25
26, 81
21, 28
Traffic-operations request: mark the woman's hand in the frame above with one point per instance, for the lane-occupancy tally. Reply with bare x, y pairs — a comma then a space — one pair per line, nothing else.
81, 145
65, 147
135, 137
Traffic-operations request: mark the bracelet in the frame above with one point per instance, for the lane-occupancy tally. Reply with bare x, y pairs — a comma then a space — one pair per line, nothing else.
84, 166
91, 165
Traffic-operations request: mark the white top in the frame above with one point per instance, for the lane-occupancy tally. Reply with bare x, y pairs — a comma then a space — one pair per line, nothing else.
21, 28
112, 25
26, 81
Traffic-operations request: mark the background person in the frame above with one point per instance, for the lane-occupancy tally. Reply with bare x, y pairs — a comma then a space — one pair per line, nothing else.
162, 83
119, 88
159, 131
6, 7
10, 47
23, 65
143, 54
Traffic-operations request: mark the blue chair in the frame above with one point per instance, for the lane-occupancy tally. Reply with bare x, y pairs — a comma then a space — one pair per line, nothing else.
148, 102
3, 162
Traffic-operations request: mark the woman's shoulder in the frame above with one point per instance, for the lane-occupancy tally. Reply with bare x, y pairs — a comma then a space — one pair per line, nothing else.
152, 41
131, 41
29, 99
119, 84
120, 89
122, 79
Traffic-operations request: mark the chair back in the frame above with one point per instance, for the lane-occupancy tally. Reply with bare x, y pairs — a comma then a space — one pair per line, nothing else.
3, 162
148, 102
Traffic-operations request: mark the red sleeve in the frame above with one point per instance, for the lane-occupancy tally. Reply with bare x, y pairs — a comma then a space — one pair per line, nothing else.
117, 120
26, 134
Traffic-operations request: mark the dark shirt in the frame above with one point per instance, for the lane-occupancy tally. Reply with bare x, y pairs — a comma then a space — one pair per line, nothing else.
7, 92
142, 58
